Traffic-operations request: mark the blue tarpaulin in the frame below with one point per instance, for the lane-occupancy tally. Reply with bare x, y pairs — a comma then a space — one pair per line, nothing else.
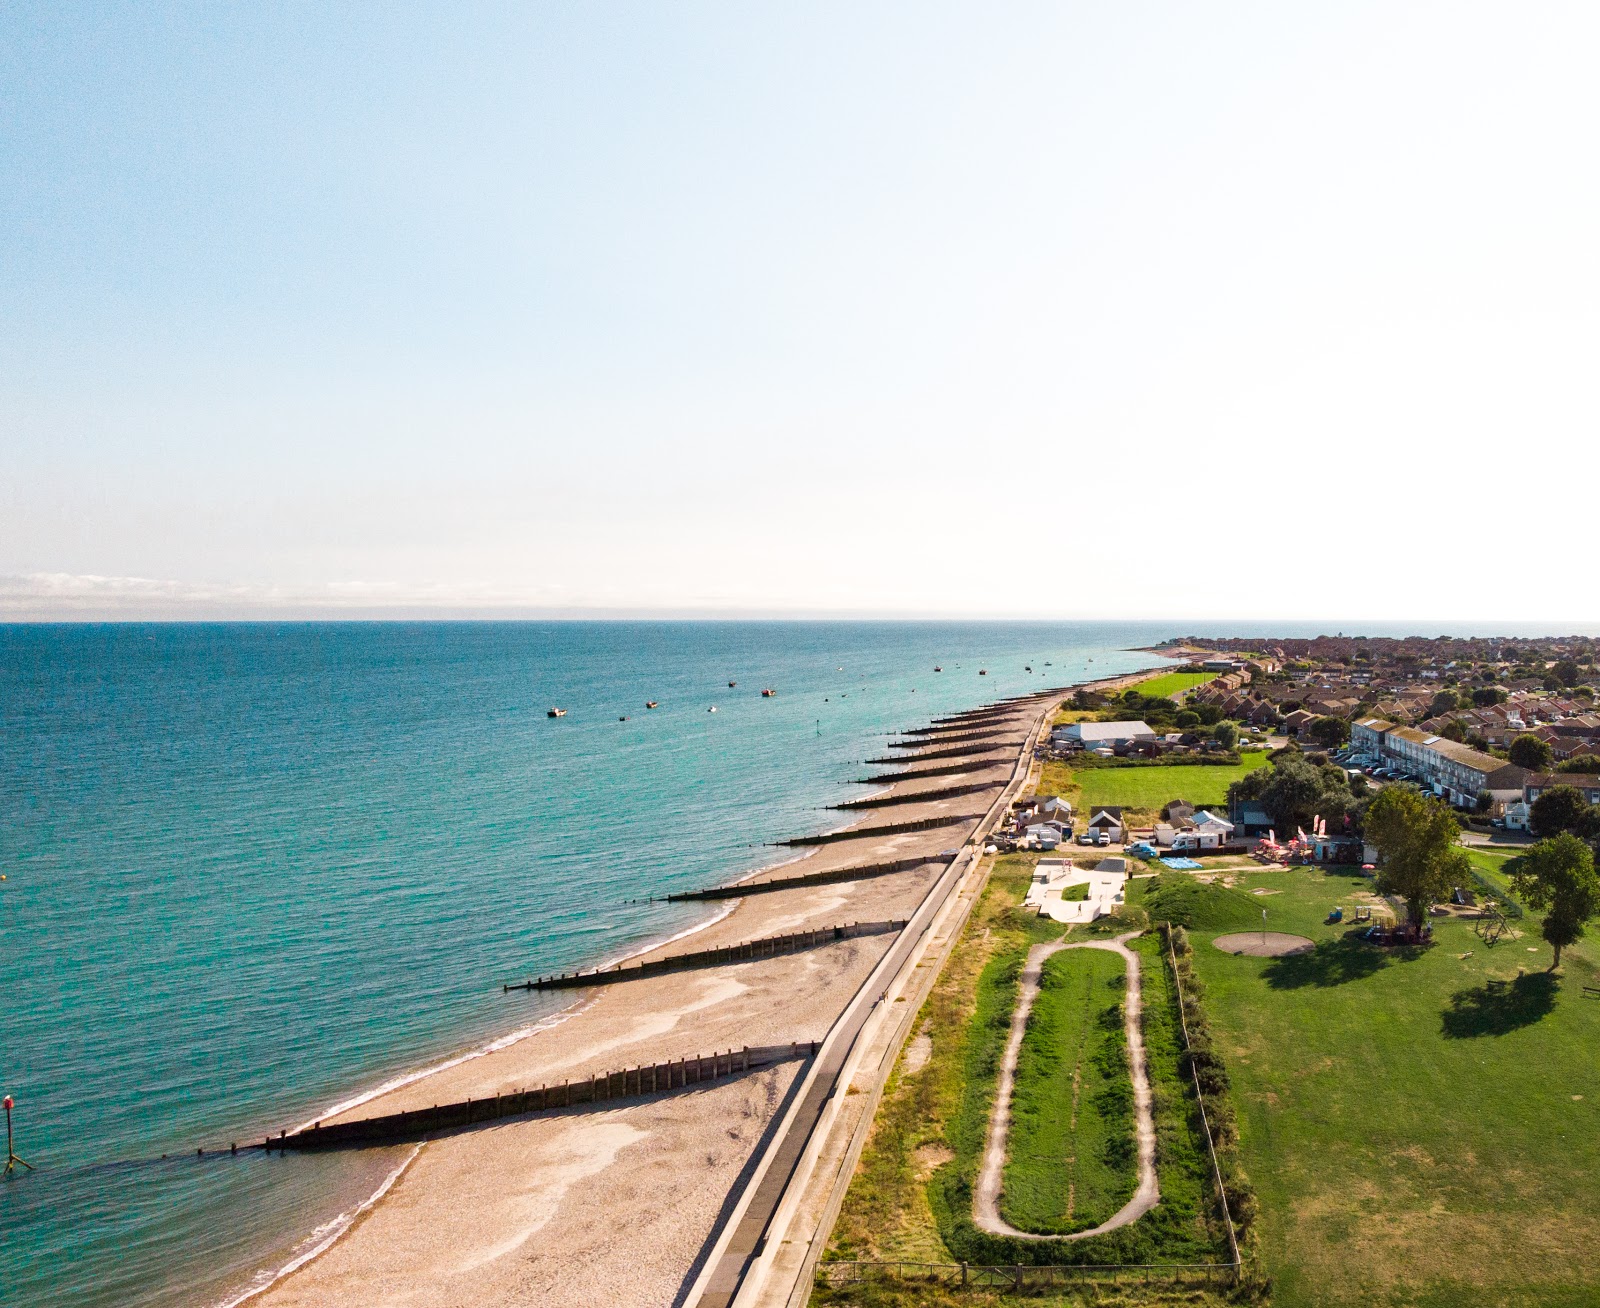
1181, 864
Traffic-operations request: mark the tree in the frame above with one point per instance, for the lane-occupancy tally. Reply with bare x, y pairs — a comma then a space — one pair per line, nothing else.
1187, 719
1330, 733
1225, 734
1559, 809
1585, 765
1566, 672
1446, 701
1453, 730
1295, 791
1557, 878
1416, 840
1530, 752
1486, 696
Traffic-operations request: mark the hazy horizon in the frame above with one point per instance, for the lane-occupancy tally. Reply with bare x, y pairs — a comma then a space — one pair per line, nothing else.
1050, 311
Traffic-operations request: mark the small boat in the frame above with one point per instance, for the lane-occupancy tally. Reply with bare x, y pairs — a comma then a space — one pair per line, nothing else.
712, 709
623, 718
732, 684
555, 713
651, 703
768, 693
1027, 667
937, 668
983, 672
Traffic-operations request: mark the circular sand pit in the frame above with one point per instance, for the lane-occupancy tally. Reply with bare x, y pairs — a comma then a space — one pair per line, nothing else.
1263, 944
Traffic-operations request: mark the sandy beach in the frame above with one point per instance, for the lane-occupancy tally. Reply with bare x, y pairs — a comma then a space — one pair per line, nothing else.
618, 1204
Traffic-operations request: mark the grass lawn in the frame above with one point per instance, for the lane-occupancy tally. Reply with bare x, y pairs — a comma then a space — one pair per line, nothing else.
1072, 1159
1173, 683
1147, 788
1422, 1127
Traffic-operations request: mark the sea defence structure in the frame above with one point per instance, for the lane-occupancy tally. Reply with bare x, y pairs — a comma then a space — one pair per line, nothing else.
896, 829
944, 770
914, 797
678, 1074
862, 872
767, 947
955, 751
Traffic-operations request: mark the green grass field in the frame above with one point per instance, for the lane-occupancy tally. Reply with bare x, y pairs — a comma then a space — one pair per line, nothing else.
1072, 1160
1422, 1127
1173, 683
1147, 788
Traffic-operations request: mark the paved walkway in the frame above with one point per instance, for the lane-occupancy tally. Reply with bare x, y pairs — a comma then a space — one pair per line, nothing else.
986, 1199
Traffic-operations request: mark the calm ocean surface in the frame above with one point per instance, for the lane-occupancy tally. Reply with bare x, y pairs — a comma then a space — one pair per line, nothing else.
254, 870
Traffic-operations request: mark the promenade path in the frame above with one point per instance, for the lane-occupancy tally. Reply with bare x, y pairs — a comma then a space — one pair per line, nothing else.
986, 1197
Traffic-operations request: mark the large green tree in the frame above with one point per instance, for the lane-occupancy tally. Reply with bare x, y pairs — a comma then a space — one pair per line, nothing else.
1530, 752
1295, 791
1559, 809
1557, 878
1419, 857
1330, 732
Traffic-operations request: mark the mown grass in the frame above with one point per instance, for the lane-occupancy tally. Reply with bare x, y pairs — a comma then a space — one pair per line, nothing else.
1422, 1126
1173, 683
1147, 789
1072, 1159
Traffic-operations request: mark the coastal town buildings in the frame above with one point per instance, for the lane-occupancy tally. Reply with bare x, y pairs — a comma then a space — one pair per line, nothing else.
1457, 772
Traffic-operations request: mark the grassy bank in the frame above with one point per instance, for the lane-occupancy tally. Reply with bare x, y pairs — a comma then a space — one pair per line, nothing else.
1072, 1161
1422, 1127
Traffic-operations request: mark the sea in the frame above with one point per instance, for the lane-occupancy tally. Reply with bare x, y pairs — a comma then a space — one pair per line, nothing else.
256, 870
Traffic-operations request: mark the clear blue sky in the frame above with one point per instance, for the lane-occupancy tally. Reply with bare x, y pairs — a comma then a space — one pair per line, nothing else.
513, 307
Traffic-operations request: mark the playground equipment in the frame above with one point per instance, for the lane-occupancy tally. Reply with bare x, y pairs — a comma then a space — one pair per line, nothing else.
1491, 924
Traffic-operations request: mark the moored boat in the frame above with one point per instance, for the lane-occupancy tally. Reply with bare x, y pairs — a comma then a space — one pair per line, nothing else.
651, 703
555, 713
768, 693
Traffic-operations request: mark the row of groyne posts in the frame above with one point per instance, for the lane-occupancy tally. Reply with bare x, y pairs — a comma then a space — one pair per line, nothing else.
674, 1074
656, 1078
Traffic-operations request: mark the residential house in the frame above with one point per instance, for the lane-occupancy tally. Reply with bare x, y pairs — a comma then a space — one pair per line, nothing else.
1108, 820
1537, 784
1457, 772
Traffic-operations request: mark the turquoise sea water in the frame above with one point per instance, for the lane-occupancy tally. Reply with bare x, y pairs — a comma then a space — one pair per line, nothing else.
253, 870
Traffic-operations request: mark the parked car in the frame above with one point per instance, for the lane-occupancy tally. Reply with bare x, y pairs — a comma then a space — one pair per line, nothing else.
1087, 838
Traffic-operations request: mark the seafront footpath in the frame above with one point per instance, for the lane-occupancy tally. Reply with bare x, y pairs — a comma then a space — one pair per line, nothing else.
529, 1208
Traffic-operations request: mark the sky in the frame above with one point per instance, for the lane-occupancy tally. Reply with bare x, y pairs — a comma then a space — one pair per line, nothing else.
1045, 311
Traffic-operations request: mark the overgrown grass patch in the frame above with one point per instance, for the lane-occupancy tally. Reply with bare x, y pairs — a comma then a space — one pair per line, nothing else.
911, 1197
1072, 1160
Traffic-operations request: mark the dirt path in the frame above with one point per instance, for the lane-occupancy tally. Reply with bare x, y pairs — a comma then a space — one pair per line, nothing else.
986, 1199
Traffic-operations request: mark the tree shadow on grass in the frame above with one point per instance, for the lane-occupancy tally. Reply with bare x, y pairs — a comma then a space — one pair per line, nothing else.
1500, 1007
1333, 963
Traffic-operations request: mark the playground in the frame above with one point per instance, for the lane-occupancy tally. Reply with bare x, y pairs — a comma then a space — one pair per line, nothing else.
1399, 1105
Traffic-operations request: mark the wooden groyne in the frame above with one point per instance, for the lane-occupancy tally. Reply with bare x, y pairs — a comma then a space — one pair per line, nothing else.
990, 736
766, 947
897, 829
916, 797
944, 770
954, 751
678, 1074
739, 889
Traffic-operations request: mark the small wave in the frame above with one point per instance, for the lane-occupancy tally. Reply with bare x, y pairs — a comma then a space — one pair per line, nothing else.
320, 1240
